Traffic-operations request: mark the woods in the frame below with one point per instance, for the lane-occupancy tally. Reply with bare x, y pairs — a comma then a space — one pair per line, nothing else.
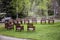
25, 8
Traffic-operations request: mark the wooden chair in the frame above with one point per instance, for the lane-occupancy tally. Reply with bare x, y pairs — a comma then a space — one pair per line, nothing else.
26, 21
21, 21
30, 27
43, 20
18, 20
34, 20
9, 24
15, 22
51, 20
19, 27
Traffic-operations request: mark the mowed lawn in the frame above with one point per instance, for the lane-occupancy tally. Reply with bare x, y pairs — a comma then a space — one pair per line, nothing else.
42, 32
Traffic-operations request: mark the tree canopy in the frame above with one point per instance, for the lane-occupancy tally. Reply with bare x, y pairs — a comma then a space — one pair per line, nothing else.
24, 7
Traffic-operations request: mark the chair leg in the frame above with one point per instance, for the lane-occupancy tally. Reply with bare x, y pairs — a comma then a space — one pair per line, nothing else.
48, 21
24, 22
53, 21
41, 21
45, 22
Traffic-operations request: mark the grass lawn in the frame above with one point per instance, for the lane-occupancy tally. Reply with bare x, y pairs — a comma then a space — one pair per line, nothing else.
42, 32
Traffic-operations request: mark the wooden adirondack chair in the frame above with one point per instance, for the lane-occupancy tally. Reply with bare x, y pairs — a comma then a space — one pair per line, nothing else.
34, 20
43, 20
19, 27
51, 20
30, 27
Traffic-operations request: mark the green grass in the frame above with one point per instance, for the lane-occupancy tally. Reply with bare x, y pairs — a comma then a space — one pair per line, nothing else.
42, 32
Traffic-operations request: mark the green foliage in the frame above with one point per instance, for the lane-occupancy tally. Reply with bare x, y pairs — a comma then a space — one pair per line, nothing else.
50, 13
22, 7
1, 16
19, 6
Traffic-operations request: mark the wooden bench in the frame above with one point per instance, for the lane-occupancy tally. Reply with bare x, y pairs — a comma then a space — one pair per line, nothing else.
30, 27
43, 20
51, 20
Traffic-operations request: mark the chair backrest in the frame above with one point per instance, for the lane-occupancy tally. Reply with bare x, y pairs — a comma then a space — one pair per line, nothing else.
11, 21
6, 23
34, 19
43, 19
30, 25
26, 19
51, 18
18, 19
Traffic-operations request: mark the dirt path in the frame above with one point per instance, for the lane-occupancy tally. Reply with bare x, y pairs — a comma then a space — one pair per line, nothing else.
10, 38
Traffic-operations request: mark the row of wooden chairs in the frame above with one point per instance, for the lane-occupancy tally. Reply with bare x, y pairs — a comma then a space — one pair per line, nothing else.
10, 25
26, 20
34, 20
50, 20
